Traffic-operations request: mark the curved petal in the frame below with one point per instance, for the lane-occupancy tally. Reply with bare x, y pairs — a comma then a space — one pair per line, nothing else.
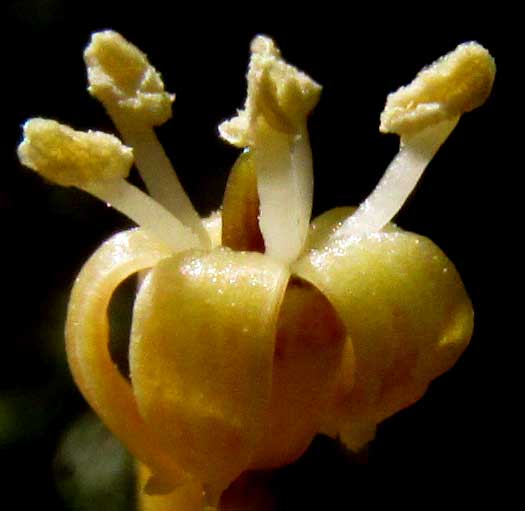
87, 337
310, 343
202, 346
406, 312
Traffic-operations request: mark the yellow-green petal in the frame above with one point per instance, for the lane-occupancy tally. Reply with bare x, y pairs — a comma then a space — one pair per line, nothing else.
306, 371
406, 312
201, 355
87, 338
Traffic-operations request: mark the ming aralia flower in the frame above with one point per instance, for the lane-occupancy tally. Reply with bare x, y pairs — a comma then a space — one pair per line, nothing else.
254, 329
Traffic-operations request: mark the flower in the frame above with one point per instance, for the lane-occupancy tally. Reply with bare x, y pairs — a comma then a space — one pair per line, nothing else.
255, 329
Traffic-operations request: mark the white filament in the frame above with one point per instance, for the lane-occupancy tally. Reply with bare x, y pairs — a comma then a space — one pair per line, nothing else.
285, 187
145, 212
159, 175
400, 178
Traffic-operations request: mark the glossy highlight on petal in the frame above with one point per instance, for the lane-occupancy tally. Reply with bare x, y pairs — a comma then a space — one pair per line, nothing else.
306, 370
87, 338
203, 336
407, 315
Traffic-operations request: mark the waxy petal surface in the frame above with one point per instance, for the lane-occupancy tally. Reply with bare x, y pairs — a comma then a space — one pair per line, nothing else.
201, 355
310, 343
407, 315
87, 338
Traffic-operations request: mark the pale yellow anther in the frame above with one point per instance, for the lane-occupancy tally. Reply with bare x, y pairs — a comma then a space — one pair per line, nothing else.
456, 83
121, 77
73, 158
423, 114
277, 92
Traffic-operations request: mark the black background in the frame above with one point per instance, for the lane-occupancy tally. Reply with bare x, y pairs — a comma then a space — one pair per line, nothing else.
462, 427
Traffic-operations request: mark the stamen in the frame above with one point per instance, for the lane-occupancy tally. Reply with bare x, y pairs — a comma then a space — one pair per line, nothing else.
160, 178
146, 212
285, 186
456, 83
98, 163
273, 124
423, 114
398, 181
133, 94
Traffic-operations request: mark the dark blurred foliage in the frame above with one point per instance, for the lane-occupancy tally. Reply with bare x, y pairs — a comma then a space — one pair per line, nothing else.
461, 428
